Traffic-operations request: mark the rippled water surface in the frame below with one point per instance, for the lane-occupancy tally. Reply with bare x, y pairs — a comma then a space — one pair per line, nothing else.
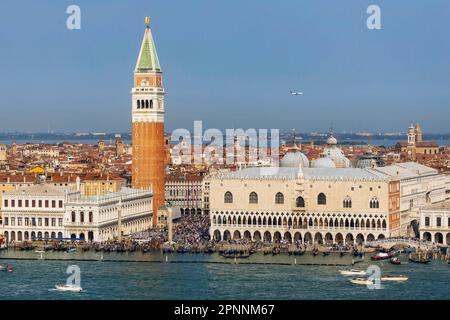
198, 276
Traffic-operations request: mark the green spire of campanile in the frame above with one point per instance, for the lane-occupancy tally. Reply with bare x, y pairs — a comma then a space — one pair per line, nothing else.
148, 58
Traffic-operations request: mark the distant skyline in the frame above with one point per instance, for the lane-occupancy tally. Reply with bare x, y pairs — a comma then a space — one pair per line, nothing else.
230, 64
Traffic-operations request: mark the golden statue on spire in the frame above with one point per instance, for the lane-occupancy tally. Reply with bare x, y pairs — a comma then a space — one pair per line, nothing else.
147, 21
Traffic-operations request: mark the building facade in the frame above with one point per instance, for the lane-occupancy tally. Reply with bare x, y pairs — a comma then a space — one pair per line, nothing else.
184, 193
148, 122
109, 216
310, 205
34, 212
47, 212
419, 186
320, 204
435, 223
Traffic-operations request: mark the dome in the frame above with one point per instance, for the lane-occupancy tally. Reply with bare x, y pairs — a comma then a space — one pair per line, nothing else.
332, 140
294, 159
323, 163
337, 156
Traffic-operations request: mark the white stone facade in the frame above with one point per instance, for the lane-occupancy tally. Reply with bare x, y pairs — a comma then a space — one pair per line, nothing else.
46, 212
435, 223
311, 205
102, 218
419, 186
34, 212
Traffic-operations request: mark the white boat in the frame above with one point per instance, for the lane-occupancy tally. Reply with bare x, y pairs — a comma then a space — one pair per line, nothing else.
68, 287
361, 281
352, 272
394, 278
39, 251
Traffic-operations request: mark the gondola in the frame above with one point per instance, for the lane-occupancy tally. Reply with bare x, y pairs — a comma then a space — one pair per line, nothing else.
235, 255
325, 254
422, 261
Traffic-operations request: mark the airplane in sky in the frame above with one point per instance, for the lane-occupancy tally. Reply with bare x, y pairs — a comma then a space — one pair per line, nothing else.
296, 93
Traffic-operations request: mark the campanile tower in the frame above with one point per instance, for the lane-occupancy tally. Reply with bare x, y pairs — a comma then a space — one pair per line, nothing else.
147, 95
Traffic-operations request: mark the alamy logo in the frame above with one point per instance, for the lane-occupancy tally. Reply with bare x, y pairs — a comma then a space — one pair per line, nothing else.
73, 21
75, 276
374, 20
375, 277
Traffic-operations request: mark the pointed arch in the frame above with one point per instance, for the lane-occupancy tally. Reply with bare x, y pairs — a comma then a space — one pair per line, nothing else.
300, 202
228, 197
279, 198
321, 199
253, 198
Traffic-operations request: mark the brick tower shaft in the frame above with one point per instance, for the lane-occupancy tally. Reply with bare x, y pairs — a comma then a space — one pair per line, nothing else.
148, 164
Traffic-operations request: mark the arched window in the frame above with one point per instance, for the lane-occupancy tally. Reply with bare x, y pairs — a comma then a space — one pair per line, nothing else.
374, 203
228, 197
146, 104
91, 217
253, 198
321, 199
81, 217
279, 198
347, 203
151, 104
139, 104
300, 202
73, 216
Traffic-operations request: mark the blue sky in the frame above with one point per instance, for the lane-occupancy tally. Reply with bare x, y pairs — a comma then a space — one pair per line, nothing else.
228, 63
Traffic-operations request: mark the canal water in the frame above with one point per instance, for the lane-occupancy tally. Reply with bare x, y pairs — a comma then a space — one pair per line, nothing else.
199, 276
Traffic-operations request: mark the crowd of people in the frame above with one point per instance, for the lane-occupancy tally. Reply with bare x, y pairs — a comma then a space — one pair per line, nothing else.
190, 230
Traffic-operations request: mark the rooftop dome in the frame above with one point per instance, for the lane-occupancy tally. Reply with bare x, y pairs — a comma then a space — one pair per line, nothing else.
332, 140
335, 154
323, 163
294, 159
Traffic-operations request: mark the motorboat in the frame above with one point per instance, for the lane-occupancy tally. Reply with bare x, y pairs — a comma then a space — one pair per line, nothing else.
361, 281
39, 251
8, 268
68, 287
352, 272
395, 261
398, 278
70, 250
382, 256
